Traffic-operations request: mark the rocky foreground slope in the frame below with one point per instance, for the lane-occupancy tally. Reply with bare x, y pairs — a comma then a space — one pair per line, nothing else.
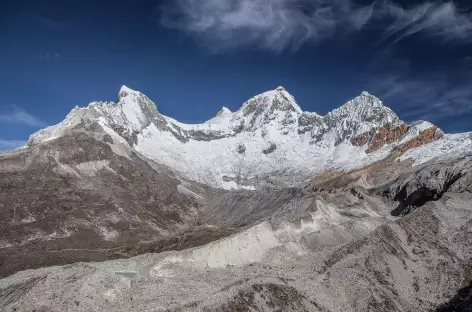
352, 211
345, 254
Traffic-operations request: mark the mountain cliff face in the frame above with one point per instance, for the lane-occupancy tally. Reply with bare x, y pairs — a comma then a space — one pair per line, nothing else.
264, 143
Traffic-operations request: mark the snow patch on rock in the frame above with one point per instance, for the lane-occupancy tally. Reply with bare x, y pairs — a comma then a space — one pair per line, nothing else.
451, 146
415, 129
92, 168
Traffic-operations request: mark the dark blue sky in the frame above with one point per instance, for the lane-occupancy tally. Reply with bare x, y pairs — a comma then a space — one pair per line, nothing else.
193, 56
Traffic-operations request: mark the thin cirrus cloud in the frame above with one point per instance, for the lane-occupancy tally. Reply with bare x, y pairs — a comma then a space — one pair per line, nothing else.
441, 20
434, 95
429, 99
276, 25
17, 115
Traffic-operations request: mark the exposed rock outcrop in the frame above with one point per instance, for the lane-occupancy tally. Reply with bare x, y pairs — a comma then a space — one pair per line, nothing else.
425, 137
377, 138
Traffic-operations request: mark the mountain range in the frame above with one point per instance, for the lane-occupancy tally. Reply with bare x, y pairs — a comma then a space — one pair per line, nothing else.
266, 142
268, 208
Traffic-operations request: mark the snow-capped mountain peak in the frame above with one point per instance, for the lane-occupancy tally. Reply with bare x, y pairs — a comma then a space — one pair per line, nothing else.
138, 110
125, 91
280, 88
360, 115
268, 133
365, 98
223, 111
362, 101
277, 99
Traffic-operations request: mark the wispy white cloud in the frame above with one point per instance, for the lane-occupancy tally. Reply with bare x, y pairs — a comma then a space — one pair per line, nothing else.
271, 24
361, 16
17, 115
275, 25
432, 95
441, 20
10, 144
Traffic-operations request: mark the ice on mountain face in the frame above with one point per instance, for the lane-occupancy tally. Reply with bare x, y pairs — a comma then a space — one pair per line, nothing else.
138, 110
451, 146
276, 135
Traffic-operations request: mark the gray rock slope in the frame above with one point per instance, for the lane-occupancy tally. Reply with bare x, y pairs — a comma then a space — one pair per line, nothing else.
336, 249
83, 197
413, 264
80, 197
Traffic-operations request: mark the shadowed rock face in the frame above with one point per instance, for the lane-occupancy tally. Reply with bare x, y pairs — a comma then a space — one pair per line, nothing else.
428, 183
462, 301
266, 297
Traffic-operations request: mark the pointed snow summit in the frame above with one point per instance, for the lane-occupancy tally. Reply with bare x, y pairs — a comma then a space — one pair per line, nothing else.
125, 91
223, 111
